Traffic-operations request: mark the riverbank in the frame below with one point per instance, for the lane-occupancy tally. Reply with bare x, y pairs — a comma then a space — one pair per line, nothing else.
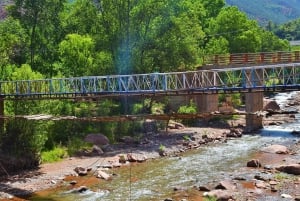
156, 145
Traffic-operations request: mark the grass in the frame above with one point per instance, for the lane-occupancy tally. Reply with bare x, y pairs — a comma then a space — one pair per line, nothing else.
54, 155
210, 199
281, 176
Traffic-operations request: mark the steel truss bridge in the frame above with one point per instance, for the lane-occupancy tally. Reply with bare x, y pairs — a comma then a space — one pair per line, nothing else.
238, 79
229, 79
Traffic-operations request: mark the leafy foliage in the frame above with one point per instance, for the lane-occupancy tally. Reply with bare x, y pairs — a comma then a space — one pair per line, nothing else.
289, 30
54, 155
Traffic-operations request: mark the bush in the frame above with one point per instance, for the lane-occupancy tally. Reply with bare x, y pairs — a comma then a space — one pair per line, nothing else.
188, 109
54, 155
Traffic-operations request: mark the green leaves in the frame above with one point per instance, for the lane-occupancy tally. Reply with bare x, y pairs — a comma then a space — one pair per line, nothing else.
76, 55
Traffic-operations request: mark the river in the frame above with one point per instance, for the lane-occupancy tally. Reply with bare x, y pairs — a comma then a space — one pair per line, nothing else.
156, 179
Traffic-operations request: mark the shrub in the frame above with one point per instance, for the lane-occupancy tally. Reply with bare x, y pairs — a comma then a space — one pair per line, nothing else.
54, 155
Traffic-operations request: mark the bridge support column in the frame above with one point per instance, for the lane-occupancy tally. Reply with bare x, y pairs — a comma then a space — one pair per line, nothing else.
254, 103
207, 102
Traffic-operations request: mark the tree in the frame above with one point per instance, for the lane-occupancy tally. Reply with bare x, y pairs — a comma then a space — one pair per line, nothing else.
41, 21
12, 43
236, 28
243, 35
76, 54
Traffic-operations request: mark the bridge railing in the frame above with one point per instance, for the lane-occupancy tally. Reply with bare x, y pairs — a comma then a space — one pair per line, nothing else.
252, 58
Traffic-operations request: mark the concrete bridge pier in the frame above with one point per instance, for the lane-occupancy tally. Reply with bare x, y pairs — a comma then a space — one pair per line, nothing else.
207, 102
254, 103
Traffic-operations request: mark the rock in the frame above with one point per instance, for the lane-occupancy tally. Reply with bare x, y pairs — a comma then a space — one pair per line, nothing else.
219, 194
97, 139
179, 188
73, 182
274, 188
97, 150
123, 158
168, 199
261, 184
234, 132
273, 183
286, 196
175, 125
263, 177
226, 185
82, 189
270, 105
81, 171
254, 163
103, 175
268, 167
239, 178
276, 149
133, 157
290, 169
204, 188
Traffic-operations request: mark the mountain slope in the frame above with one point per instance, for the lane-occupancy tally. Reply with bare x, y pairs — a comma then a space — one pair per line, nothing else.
3, 3
277, 11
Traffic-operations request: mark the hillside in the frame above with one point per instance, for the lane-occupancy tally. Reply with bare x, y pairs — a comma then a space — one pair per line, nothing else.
3, 3
277, 11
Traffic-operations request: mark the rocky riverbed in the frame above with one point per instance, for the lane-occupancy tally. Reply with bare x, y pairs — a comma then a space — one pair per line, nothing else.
263, 179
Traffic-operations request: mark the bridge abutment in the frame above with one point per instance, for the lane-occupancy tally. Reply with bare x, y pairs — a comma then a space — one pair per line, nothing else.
254, 103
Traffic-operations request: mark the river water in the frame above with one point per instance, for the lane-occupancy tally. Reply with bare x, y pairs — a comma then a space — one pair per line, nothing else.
155, 180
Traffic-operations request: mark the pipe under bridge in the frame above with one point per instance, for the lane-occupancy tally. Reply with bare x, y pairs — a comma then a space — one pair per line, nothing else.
204, 84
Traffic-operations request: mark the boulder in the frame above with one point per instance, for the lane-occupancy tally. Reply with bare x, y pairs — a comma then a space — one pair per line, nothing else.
97, 150
81, 171
226, 185
97, 139
270, 105
175, 125
204, 188
103, 175
234, 132
132, 157
81, 189
261, 184
290, 169
276, 149
254, 163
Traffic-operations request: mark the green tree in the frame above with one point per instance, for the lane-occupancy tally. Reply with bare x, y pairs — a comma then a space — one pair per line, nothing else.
41, 21
236, 28
25, 107
12, 43
76, 54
